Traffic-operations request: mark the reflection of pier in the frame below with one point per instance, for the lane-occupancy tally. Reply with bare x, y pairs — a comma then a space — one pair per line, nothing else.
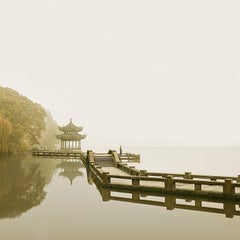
110, 173
125, 193
171, 202
70, 168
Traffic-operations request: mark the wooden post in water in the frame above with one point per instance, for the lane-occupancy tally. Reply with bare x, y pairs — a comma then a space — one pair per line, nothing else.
106, 194
198, 203
135, 196
229, 208
170, 202
228, 188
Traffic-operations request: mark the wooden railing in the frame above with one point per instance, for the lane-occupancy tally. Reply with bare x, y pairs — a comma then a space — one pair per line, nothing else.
129, 157
174, 185
189, 175
168, 183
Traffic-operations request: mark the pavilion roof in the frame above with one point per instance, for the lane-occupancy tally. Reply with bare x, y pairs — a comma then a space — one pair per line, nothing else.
70, 137
70, 127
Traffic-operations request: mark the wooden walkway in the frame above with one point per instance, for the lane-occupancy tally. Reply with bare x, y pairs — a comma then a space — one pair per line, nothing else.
117, 181
125, 157
109, 172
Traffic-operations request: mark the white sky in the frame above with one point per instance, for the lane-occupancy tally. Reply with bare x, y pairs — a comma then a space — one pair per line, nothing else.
136, 73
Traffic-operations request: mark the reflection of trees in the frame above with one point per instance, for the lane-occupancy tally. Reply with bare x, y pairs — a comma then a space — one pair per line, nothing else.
20, 189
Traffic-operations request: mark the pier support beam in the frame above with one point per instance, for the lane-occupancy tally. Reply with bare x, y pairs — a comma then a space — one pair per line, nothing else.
229, 209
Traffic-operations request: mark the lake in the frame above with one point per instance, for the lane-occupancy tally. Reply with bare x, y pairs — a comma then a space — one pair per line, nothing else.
45, 198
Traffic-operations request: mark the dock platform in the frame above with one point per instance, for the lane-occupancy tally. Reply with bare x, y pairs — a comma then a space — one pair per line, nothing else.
111, 171
114, 174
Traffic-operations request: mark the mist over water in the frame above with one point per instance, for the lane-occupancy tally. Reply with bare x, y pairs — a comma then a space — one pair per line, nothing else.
71, 211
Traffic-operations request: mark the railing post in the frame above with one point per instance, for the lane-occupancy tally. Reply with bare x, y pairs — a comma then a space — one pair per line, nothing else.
238, 178
228, 188
143, 173
135, 182
169, 185
105, 178
198, 186
187, 175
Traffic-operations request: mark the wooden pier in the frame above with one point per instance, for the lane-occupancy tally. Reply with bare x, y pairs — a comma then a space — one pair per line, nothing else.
112, 174
124, 157
111, 171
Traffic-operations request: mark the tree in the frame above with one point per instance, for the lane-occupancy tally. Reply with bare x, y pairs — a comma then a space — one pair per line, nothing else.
25, 116
5, 132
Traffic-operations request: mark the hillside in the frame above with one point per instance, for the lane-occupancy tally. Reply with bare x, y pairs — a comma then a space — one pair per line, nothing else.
21, 121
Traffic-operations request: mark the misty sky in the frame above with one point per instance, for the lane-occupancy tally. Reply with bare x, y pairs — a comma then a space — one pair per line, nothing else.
136, 73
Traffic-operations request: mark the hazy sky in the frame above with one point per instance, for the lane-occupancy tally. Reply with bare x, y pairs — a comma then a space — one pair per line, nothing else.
136, 73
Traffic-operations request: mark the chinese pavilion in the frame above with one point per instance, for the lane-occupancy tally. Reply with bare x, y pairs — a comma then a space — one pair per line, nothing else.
70, 139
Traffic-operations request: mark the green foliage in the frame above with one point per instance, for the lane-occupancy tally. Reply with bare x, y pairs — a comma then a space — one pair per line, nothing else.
25, 116
5, 132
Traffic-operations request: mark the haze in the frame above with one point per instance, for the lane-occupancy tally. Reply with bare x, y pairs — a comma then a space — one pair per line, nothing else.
133, 73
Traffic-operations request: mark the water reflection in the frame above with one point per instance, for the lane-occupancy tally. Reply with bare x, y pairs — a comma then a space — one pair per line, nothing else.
21, 187
23, 181
70, 168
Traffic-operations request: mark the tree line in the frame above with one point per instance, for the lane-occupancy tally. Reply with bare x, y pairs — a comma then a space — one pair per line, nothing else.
21, 121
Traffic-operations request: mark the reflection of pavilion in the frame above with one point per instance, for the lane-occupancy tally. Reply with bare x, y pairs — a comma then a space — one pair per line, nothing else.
70, 168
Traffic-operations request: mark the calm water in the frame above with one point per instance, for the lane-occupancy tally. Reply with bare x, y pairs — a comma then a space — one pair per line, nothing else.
38, 201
